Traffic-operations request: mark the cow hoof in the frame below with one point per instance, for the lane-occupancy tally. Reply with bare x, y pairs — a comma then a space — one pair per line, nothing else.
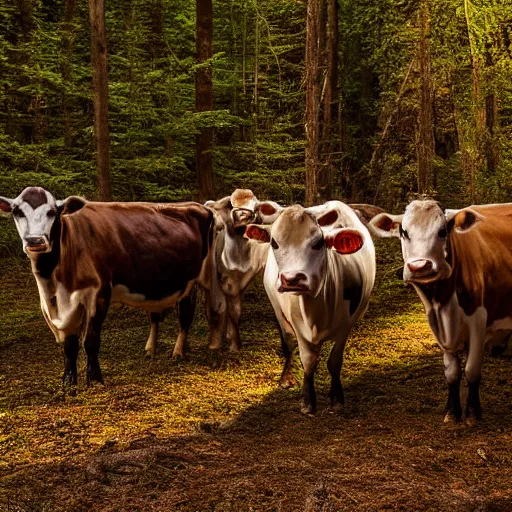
178, 354
149, 353
308, 410
471, 421
288, 382
450, 418
336, 408
234, 348
215, 346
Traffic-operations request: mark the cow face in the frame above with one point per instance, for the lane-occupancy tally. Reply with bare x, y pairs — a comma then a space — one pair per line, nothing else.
300, 241
246, 209
424, 231
35, 212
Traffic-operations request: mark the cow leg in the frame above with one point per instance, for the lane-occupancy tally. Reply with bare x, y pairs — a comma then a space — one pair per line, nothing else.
234, 309
334, 364
186, 309
453, 409
473, 368
215, 305
93, 338
71, 349
287, 379
150, 348
309, 359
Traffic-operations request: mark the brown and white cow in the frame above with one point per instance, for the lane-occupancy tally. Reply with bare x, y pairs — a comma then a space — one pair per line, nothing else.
460, 264
238, 259
319, 276
85, 255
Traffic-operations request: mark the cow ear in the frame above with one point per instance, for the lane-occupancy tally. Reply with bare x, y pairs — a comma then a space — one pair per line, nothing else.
345, 241
328, 219
462, 220
269, 211
70, 205
258, 233
385, 225
6, 204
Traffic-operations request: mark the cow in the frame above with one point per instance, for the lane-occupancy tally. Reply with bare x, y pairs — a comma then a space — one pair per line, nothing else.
319, 276
460, 264
85, 255
238, 260
366, 212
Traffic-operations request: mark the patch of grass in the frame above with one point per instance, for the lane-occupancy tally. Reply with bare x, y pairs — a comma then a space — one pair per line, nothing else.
215, 432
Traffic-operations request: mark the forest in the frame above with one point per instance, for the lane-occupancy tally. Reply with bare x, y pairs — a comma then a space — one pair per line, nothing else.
377, 102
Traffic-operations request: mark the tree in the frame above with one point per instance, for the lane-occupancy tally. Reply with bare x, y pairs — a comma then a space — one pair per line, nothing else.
204, 96
100, 96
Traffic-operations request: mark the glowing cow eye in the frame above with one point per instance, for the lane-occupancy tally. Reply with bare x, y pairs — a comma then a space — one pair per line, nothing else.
274, 244
404, 233
442, 233
318, 245
18, 213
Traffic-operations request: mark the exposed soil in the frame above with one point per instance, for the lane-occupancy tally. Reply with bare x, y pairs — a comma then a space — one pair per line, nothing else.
215, 432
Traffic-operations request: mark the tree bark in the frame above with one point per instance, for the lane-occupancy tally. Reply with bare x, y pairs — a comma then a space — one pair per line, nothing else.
204, 97
312, 125
100, 96
425, 146
66, 69
329, 106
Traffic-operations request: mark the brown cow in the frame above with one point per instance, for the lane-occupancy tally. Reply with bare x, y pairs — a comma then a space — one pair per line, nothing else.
460, 264
85, 255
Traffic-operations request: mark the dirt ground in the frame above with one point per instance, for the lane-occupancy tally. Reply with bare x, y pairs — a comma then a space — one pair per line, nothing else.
216, 433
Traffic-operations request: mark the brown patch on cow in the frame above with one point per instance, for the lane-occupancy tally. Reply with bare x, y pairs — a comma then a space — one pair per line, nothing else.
366, 212
73, 204
240, 197
482, 260
328, 218
138, 245
35, 197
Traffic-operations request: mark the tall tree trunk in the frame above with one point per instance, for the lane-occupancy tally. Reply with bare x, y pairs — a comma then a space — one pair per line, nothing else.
329, 99
425, 146
100, 96
66, 69
204, 96
313, 78
491, 108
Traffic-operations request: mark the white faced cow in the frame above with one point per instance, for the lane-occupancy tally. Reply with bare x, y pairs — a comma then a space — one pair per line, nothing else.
460, 264
238, 259
319, 276
86, 254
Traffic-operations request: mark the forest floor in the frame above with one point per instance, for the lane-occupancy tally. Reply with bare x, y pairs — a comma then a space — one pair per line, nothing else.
215, 432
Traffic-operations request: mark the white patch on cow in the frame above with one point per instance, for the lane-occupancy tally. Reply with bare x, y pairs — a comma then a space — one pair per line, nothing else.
122, 294
504, 324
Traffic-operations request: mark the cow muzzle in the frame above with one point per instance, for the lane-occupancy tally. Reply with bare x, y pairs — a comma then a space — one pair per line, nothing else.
242, 217
36, 244
420, 270
294, 283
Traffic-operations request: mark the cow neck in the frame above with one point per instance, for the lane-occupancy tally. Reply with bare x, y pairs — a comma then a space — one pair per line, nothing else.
46, 263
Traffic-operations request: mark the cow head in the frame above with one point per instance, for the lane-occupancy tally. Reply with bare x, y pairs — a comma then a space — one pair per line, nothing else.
300, 239
36, 216
424, 230
246, 209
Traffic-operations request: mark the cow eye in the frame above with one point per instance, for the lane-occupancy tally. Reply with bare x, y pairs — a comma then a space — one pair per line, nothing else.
403, 232
274, 244
51, 213
17, 212
442, 233
318, 245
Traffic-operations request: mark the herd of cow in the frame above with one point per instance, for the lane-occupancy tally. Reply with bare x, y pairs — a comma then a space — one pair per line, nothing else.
319, 271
